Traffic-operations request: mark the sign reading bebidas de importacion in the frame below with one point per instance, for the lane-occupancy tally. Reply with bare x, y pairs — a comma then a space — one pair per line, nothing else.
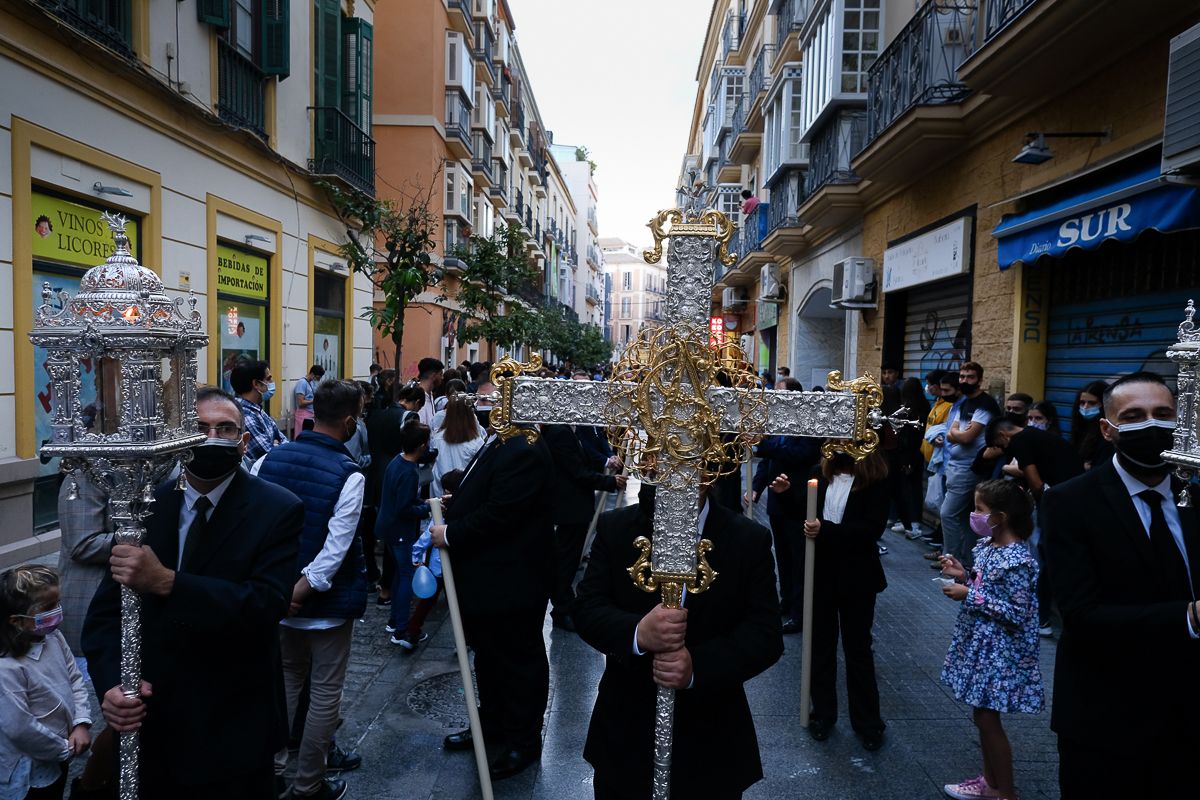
241, 273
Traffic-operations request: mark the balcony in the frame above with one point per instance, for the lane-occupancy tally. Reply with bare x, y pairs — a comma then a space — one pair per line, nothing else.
784, 228
789, 19
830, 196
485, 69
515, 210
731, 38
1001, 13
458, 125
499, 190
516, 126
461, 17
728, 171
500, 97
758, 84
592, 295
746, 142
241, 98
481, 161
109, 22
748, 244
593, 223
343, 149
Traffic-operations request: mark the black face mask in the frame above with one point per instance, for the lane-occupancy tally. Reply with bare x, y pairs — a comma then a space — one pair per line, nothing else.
1020, 420
215, 459
483, 415
646, 498
1140, 445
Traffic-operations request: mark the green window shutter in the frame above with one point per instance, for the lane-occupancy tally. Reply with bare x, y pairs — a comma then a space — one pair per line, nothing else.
274, 45
328, 33
357, 43
214, 12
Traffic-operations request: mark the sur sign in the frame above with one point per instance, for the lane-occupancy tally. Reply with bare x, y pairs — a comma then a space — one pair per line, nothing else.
931, 256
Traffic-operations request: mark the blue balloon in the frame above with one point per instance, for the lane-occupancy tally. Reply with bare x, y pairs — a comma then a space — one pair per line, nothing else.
424, 583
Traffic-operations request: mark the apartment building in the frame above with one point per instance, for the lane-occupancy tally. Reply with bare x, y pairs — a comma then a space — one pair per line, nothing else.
637, 292
211, 126
948, 180
459, 123
585, 295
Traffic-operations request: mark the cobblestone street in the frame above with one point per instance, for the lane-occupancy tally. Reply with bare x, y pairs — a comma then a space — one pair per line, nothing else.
398, 708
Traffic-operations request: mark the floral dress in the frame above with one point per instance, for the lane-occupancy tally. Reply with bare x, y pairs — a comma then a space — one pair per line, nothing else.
994, 655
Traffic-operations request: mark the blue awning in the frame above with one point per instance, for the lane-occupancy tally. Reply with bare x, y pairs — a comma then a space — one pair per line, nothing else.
1119, 209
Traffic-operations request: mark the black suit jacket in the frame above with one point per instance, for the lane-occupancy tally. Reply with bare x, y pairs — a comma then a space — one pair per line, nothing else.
847, 552
1127, 668
210, 649
574, 482
733, 634
596, 448
499, 531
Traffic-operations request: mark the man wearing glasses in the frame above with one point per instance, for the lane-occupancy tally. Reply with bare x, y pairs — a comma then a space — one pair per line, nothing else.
215, 575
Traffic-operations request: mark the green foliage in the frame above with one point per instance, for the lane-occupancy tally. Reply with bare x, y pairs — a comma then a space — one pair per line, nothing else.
570, 340
494, 270
582, 154
390, 242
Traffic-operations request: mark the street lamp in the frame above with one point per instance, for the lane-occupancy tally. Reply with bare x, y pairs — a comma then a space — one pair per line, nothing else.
137, 348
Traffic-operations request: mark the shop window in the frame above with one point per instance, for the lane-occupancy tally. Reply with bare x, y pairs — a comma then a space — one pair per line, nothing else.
69, 238
329, 322
243, 314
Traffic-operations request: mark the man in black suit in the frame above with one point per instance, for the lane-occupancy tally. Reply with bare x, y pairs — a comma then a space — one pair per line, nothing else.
707, 650
215, 574
1126, 566
572, 503
499, 534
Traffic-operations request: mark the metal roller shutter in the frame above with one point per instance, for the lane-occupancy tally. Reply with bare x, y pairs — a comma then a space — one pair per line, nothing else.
937, 327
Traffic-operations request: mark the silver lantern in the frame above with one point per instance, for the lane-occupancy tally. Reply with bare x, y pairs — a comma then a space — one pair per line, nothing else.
1185, 455
139, 347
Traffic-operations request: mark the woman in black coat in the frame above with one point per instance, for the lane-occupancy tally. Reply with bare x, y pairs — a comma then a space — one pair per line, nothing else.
847, 577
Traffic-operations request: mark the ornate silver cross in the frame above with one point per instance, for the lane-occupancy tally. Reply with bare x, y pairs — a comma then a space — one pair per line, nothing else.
688, 409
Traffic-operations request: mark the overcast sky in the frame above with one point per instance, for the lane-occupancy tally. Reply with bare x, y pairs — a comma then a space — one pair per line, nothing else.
618, 77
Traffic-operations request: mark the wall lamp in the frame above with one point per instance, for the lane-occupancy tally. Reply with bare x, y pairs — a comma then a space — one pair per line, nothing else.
100, 188
257, 237
1036, 151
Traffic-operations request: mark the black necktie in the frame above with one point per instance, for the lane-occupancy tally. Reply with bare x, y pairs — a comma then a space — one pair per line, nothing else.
195, 531
1170, 560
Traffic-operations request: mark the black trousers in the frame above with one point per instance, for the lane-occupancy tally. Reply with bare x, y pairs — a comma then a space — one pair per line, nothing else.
1161, 767
366, 529
568, 549
608, 789
513, 675
52, 792
788, 535
259, 785
853, 613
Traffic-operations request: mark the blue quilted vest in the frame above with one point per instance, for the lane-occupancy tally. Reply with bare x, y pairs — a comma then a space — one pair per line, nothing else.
315, 467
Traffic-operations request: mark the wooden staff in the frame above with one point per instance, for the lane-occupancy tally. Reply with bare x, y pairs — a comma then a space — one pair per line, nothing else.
810, 557
464, 663
601, 501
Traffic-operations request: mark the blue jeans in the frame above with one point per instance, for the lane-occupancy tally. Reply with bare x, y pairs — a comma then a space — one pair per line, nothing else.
957, 505
402, 579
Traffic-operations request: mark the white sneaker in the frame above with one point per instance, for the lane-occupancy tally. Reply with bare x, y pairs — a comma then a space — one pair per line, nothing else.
1045, 630
898, 527
389, 628
915, 533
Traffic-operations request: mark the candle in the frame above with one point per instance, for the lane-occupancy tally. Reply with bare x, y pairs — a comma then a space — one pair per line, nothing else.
810, 558
812, 499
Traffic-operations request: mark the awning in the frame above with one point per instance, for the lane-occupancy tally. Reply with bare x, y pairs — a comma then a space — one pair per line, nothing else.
1119, 209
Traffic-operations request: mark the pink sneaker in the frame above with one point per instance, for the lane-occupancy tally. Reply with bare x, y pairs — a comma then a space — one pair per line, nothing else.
970, 789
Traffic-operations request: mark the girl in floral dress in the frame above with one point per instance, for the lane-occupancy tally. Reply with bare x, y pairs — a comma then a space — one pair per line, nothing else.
993, 659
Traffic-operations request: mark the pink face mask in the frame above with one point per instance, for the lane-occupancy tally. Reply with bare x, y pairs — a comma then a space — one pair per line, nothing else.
46, 622
979, 524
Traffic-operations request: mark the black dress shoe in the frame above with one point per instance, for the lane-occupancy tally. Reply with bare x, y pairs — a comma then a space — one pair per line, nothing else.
819, 729
791, 626
459, 741
511, 762
871, 740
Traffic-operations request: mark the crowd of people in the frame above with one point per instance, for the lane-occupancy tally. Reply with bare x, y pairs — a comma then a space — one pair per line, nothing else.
254, 577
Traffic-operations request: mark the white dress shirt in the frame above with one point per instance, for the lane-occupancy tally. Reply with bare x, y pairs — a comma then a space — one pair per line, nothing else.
1170, 511
342, 526
187, 509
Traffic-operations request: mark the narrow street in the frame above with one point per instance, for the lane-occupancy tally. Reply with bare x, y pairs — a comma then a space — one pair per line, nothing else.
398, 708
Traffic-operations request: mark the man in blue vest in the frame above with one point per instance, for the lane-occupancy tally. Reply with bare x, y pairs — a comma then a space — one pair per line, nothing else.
332, 589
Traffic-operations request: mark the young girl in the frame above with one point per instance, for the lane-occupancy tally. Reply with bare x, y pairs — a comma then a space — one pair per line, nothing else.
44, 710
993, 658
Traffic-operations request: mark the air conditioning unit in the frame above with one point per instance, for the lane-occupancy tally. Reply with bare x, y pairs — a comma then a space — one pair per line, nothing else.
734, 297
770, 288
854, 283
1181, 136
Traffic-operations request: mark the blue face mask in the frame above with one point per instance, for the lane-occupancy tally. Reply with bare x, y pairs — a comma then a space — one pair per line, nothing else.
268, 393
1040, 424
1089, 413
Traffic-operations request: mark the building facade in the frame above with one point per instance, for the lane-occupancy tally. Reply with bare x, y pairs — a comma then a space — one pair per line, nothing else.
637, 290
212, 128
954, 179
460, 125
586, 296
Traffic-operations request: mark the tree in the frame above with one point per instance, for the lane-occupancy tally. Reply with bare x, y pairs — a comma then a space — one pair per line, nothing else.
570, 340
495, 273
404, 267
582, 154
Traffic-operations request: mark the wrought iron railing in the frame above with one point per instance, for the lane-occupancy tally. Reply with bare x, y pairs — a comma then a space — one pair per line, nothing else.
481, 155
343, 149
834, 143
755, 227
731, 36
785, 199
109, 22
518, 116
790, 18
592, 293
739, 117
458, 116
760, 72
529, 220
463, 6
1001, 13
919, 67
484, 47
241, 96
